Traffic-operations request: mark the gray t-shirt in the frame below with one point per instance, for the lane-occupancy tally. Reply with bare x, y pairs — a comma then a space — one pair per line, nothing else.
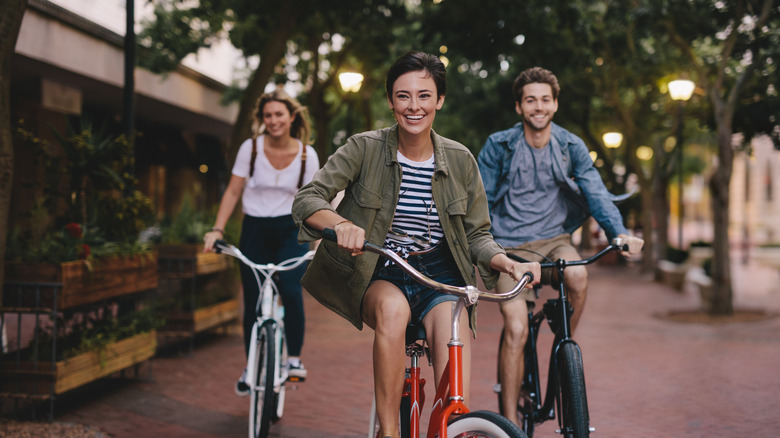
533, 208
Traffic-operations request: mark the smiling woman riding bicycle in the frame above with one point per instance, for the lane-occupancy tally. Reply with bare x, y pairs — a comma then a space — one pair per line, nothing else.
408, 188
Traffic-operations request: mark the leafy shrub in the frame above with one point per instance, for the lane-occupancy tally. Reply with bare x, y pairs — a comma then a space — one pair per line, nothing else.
675, 255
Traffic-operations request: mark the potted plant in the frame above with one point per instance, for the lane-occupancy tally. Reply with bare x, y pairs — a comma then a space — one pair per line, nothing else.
701, 278
197, 289
700, 250
768, 254
672, 269
84, 233
79, 250
95, 345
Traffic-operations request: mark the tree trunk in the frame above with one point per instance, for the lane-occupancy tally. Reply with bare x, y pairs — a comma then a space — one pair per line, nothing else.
719, 186
649, 257
660, 214
269, 59
11, 13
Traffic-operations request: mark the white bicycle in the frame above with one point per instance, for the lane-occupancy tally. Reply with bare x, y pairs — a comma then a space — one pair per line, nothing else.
266, 366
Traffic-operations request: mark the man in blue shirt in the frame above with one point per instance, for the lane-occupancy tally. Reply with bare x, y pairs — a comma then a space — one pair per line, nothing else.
541, 185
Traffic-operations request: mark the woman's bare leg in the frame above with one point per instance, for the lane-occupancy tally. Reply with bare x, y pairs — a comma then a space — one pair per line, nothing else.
386, 310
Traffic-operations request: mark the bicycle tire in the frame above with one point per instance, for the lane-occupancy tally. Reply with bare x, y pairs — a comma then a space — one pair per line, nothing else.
483, 424
405, 416
574, 401
261, 405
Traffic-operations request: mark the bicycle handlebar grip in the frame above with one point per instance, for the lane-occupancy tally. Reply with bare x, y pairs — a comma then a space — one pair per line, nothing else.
329, 234
218, 245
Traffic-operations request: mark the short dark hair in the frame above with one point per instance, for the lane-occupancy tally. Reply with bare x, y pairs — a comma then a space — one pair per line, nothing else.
535, 75
416, 61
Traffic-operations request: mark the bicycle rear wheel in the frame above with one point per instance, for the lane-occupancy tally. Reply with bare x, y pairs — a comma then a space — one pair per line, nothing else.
483, 424
261, 406
574, 401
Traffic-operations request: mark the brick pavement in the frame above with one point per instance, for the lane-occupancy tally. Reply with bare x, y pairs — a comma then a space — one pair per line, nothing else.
647, 376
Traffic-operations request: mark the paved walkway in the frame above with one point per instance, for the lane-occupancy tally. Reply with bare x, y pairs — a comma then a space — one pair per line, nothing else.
647, 376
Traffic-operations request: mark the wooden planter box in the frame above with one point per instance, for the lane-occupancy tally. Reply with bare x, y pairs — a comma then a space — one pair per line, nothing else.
767, 256
42, 378
202, 319
78, 284
672, 274
186, 260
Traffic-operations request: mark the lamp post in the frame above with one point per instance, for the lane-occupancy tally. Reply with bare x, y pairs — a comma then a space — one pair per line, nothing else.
350, 83
612, 140
680, 90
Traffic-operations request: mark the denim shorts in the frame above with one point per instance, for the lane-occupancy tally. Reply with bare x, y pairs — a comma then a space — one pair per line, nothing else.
437, 264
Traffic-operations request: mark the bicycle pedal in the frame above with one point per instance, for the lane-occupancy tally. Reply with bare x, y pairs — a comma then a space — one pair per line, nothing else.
296, 379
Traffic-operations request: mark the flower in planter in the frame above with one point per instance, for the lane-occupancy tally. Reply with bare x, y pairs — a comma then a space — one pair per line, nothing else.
64, 245
93, 190
74, 230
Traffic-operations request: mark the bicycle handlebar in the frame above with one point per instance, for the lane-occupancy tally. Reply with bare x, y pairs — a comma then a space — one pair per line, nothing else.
222, 247
616, 245
469, 292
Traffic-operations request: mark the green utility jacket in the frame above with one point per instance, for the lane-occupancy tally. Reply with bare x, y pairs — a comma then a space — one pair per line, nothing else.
367, 169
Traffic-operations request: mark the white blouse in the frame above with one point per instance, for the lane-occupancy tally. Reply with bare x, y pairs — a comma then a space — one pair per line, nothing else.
270, 191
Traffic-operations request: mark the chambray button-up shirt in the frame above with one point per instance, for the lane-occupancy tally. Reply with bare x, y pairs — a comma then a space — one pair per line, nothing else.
583, 188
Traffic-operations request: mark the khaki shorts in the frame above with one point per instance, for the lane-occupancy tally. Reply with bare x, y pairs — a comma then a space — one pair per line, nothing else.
559, 247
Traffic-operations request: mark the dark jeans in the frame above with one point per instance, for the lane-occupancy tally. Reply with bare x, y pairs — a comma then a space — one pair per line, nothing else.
274, 240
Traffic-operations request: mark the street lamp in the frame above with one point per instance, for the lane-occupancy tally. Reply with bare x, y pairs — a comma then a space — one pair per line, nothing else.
612, 140
350, 83
680, 90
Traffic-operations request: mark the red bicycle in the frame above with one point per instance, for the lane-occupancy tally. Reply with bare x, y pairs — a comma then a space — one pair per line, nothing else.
450, 417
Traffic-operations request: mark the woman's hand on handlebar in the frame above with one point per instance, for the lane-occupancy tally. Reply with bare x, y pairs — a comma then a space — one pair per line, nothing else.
517, 270
350, 236
209, 238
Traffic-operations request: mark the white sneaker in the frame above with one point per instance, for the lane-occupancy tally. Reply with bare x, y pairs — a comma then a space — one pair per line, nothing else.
242, 389
296, 370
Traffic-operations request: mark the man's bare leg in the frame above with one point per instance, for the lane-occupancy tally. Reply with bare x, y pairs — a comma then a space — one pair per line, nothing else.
511, 360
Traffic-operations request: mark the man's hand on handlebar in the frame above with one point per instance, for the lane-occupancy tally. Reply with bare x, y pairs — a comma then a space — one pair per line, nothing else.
515, 269
635, 245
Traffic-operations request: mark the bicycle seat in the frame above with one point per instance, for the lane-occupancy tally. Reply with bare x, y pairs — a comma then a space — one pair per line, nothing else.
414, 332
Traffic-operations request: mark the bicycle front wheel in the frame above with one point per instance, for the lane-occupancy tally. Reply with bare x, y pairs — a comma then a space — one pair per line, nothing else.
483, 424
261, 406
281, 346
574, 402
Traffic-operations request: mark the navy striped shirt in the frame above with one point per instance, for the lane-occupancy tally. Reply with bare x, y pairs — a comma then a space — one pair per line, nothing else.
416, 224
